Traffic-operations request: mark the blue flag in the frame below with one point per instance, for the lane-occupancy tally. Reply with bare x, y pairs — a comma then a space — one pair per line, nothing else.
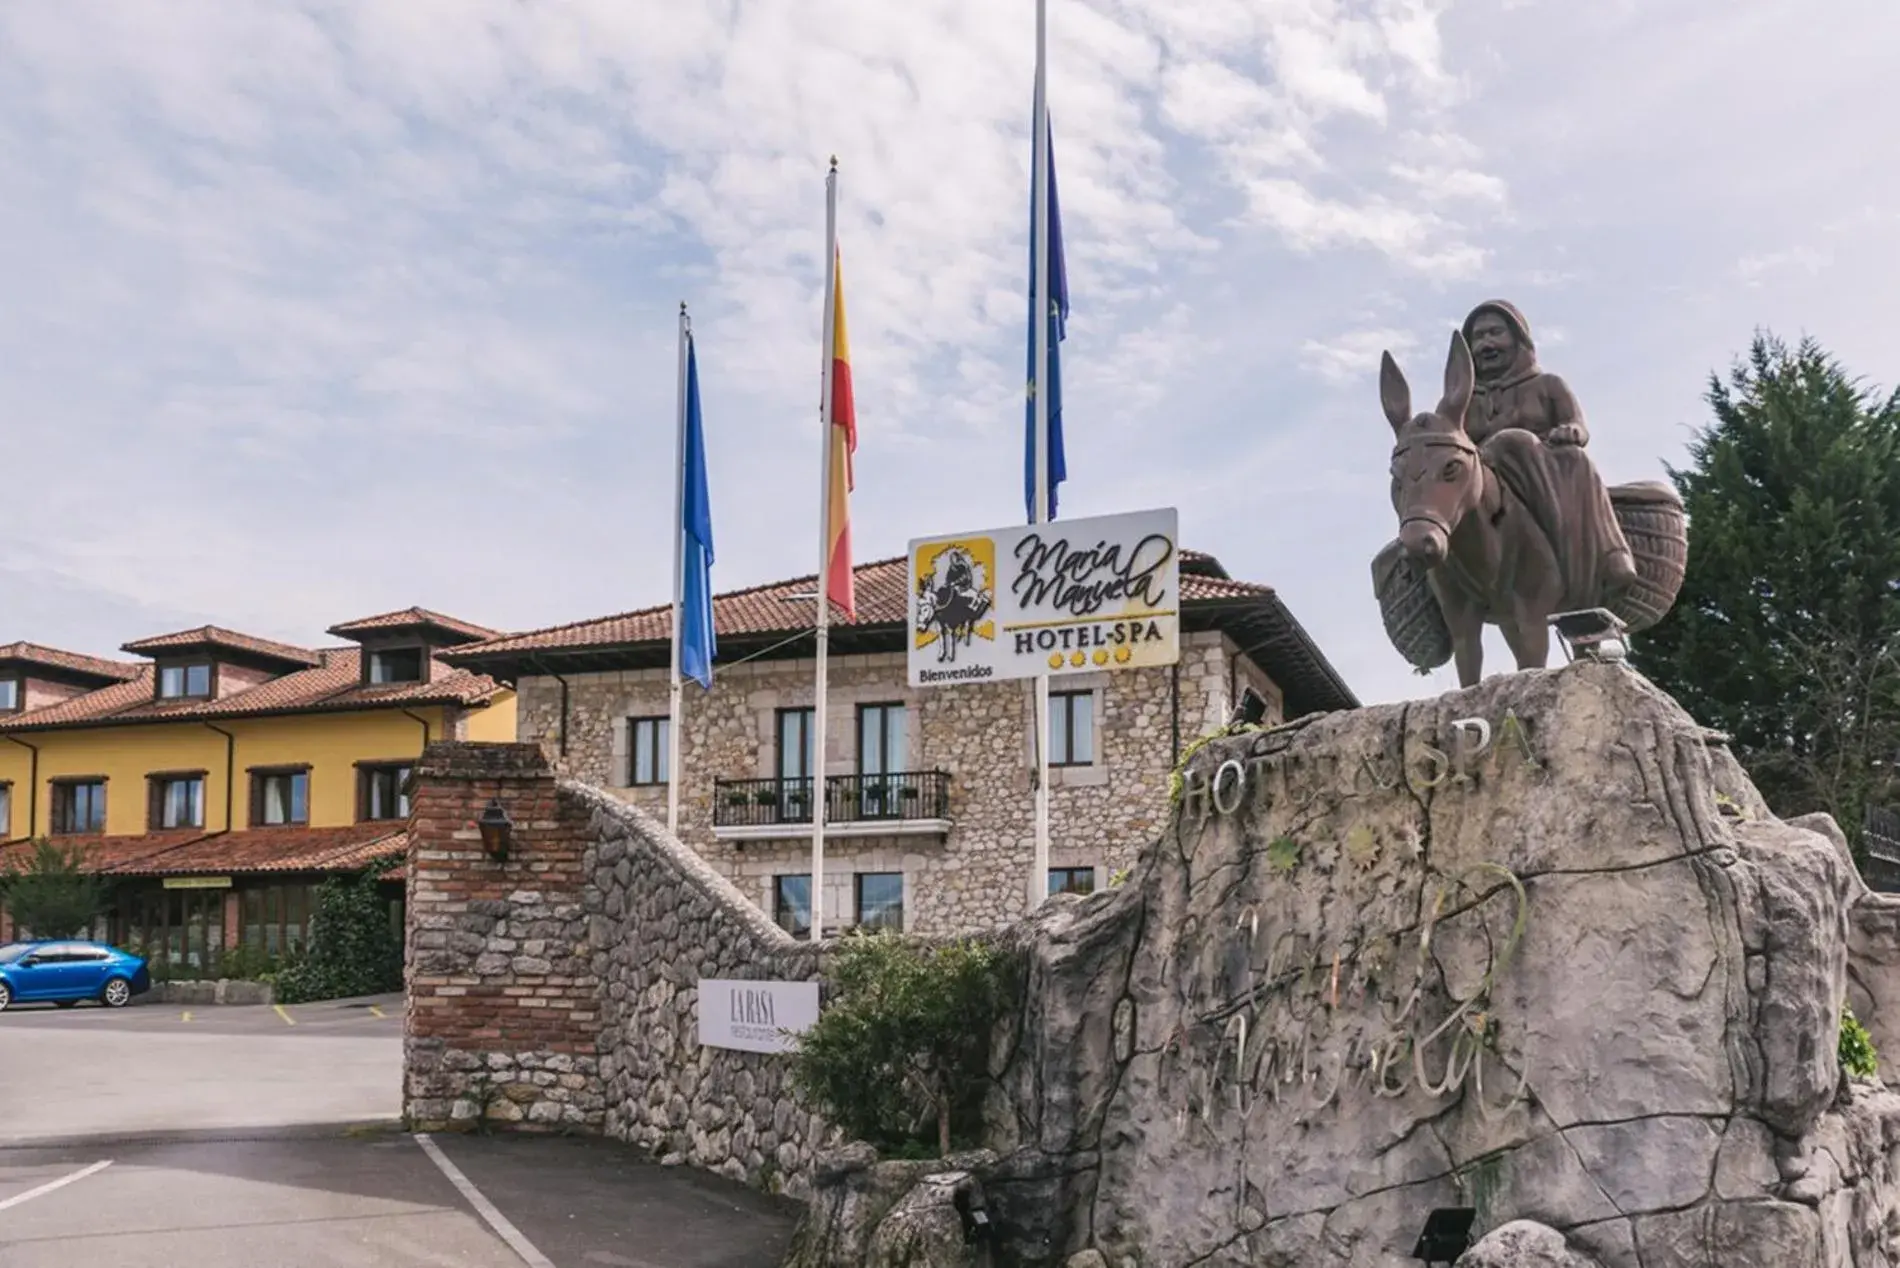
698, 642
1057, 290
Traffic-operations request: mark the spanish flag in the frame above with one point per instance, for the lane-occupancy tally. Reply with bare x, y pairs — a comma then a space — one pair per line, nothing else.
844, 443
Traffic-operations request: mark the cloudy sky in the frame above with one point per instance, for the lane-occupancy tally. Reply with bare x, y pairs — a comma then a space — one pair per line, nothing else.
316, 309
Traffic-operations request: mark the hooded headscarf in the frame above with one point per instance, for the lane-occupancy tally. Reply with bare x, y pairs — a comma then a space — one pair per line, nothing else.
1512, 318
1526, 360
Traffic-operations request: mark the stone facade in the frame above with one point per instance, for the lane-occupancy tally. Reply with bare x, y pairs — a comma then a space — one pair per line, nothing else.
557, 988
971, 875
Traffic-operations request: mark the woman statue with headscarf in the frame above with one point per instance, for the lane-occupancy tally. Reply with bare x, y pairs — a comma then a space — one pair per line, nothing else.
1512, 392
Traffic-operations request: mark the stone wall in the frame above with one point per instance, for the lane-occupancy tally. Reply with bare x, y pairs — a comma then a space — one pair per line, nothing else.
975, 876
556, 988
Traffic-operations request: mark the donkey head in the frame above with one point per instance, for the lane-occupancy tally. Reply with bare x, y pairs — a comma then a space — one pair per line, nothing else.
1436, 476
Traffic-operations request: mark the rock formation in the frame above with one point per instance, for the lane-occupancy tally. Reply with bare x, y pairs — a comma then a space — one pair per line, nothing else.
1536, 947
893, 1214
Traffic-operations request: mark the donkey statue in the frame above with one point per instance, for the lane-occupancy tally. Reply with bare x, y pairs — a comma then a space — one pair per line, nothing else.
1482, 536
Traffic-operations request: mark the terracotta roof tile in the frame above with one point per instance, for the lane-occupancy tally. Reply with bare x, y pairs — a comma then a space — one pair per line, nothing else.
409, 618
105, 702
235, 853
1251, 613
215, 636
883, 600
333, 684
106, 854
72, 662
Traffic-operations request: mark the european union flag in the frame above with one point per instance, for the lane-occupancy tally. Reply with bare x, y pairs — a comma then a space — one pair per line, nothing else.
1050, 381
697, 639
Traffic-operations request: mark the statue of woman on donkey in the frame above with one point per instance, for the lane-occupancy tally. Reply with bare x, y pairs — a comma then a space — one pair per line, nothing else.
1503, 519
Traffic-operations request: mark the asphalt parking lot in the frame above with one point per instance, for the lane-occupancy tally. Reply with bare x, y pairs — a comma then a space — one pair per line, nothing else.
157, 1067
233, 1137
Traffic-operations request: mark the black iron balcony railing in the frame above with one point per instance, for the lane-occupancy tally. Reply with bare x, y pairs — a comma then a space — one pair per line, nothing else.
903, 797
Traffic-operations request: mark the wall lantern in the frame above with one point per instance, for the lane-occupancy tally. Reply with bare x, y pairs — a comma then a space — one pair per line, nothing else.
496, 829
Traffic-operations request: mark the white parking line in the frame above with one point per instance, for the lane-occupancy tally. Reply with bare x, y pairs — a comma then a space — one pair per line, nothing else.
483, 1207
60, 1183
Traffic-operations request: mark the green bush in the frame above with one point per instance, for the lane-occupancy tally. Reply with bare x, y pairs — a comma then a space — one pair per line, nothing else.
247, 963
1857, 1053
352, 949
240, 963
902, 1045
50, 894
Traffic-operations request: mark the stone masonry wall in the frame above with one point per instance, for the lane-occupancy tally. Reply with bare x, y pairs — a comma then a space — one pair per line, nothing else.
975, 876
559, 987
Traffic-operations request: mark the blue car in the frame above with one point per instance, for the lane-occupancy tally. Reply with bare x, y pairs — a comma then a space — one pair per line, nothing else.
65, 973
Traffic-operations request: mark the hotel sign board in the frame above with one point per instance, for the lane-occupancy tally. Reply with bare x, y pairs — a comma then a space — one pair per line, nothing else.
1066, 597
755, 1016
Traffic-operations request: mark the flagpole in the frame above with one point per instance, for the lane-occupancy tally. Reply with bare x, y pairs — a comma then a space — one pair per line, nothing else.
677, 695
820, 688
1040, 299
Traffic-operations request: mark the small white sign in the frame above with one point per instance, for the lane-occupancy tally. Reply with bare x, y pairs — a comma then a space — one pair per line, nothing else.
755, 1016
1065, 597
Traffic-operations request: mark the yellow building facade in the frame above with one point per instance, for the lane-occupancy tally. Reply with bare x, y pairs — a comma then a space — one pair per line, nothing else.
217, 779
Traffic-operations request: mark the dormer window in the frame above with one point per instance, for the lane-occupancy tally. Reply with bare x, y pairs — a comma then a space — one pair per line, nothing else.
9, 695
394, 664
185, 682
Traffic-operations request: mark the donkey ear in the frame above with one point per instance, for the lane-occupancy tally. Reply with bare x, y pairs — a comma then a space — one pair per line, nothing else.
1459, 379
1394, 393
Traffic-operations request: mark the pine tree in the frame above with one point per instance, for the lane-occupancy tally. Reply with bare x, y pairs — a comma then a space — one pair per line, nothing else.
51, 893
1787, 632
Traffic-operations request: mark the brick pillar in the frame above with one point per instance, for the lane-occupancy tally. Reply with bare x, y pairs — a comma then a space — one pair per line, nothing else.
233, 913
503, 1011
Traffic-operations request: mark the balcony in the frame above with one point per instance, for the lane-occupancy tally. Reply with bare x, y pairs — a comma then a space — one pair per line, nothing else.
905, 803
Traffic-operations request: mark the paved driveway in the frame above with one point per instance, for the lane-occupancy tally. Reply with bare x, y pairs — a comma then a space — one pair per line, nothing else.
236, 1137
155, 1067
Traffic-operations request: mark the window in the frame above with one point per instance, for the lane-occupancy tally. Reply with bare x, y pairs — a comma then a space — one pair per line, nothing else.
274, 919
881, 739
794, 744
181, 682
385, 791
1071, 880
881, 900
649, 740
791, 904
178, 801
794, 765
1071, 728
395, 664
79, 805
6, 812
9, 695
175, 928
882, 752
280, 797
